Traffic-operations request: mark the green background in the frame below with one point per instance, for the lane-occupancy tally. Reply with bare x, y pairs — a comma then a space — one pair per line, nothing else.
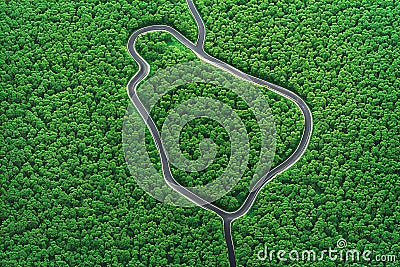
66, 195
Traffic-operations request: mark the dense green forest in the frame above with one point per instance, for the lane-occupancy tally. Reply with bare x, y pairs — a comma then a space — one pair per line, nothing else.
66, 195
287, 119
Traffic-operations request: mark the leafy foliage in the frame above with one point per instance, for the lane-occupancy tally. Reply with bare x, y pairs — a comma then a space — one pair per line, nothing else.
66, 196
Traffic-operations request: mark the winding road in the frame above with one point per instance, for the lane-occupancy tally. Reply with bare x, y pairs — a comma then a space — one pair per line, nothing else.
198, 49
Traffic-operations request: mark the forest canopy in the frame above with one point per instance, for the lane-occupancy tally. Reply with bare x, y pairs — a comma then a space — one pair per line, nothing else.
66, 195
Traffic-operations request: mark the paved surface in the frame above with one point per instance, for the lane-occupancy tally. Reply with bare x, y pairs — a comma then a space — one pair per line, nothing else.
144, 69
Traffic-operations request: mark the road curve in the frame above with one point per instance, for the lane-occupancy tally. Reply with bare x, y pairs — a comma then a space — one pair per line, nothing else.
144, 69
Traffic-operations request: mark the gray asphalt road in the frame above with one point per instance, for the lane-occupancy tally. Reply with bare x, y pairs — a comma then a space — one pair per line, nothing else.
144, 69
